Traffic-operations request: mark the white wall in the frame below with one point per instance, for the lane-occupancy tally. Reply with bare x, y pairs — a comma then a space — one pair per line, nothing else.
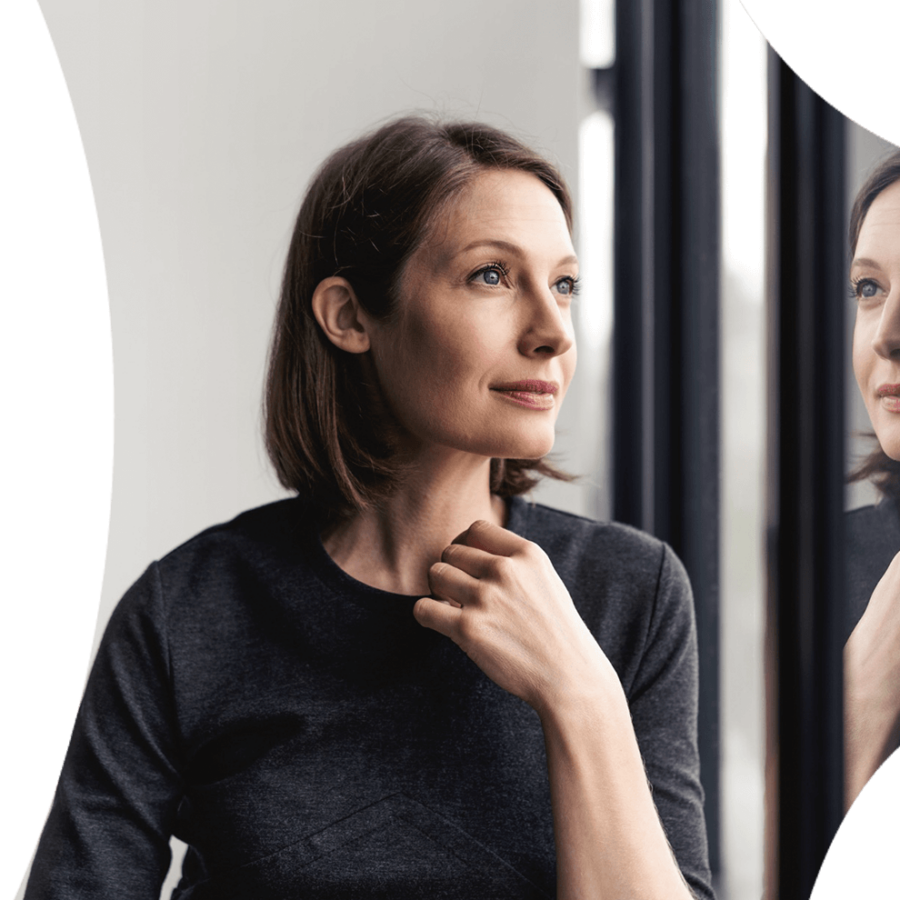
202, 122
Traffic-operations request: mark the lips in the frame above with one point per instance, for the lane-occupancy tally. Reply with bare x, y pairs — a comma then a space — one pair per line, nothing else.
889, 396
534, 386
530, 393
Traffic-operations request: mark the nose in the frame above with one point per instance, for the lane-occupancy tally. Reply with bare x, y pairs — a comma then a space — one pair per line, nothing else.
886, 342
548, 330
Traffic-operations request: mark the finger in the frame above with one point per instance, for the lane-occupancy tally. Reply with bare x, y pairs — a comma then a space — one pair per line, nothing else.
437, 616
491, 538
471, 560
450, 583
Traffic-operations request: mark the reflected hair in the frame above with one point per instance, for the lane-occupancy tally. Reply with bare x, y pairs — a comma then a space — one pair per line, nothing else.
877, 467
369, 207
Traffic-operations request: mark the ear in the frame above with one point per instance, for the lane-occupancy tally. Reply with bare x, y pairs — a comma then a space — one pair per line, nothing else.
340, 316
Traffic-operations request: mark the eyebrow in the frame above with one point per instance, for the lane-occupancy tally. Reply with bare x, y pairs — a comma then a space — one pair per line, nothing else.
863, 261
509, 248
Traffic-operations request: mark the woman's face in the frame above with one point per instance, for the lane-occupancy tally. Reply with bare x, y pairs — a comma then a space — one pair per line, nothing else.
482, 350
875, 276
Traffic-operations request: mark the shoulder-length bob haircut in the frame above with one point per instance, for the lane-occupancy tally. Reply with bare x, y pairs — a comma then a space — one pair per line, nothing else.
877, 467
366, 211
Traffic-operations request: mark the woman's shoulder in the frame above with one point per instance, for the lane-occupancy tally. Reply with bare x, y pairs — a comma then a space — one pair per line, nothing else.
883, 516
273, 529
629, 587
211, 589
628, 568
233, 558
618, 543
872, 535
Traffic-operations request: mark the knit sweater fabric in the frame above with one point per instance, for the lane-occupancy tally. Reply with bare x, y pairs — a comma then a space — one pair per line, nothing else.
307, 738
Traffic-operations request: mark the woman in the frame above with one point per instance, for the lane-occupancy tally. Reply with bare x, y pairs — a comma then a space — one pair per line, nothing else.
871, 660
280, 692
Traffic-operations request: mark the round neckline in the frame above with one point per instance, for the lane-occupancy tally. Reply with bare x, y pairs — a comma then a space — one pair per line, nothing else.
348, 587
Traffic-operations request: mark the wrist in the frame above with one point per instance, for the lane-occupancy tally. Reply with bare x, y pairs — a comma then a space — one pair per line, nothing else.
590, 694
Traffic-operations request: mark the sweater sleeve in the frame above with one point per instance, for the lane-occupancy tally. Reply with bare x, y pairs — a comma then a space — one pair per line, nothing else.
108, 831
663, 702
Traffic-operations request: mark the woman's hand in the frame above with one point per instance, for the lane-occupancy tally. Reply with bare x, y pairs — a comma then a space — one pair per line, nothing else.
500, 599
872, 684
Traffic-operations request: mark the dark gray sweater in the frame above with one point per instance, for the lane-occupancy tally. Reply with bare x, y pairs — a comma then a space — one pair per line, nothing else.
873, 539
308, 739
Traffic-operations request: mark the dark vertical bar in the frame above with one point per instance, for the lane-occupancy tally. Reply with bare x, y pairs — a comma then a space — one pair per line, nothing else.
694, 511
629, 278
806, 229
665, 355
663, 301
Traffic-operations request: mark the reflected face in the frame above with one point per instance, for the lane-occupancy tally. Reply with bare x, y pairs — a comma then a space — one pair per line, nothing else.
482, 351
875, 278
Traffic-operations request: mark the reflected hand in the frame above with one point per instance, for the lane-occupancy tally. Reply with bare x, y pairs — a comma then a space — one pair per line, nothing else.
872, 684
500, 599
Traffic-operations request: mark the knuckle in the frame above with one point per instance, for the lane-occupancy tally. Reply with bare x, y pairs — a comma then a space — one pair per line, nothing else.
500, 566
469, 630
532, 551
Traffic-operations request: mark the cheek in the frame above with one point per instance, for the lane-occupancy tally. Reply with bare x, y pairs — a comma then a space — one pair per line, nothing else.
426, 370
567, 364
570, 361
450, 350
863, 355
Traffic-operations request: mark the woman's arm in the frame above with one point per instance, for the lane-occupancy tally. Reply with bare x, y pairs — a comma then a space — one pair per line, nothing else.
506, 607
609, 839
108, 831
872, 685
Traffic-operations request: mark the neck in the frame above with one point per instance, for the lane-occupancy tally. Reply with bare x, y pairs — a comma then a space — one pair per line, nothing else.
393, 546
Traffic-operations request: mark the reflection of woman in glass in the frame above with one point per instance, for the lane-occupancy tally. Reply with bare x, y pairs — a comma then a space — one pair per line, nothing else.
872, 654
268, 693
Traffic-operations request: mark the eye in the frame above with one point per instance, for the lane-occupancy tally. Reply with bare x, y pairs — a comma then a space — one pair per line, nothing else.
567, 286
864, 288
492, 275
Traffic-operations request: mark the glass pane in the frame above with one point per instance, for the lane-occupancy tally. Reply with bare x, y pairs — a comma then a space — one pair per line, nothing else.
864, 150
743, 109
598, 33
595, 312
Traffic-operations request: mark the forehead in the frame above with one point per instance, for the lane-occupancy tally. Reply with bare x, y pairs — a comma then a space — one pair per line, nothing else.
510, 205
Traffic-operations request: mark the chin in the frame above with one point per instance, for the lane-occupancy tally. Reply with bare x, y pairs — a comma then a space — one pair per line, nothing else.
891, 445
498, 440
509, 449
887, 432
532, 447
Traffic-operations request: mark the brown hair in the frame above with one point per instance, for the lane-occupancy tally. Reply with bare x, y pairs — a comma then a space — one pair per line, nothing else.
877, 467
365, 213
